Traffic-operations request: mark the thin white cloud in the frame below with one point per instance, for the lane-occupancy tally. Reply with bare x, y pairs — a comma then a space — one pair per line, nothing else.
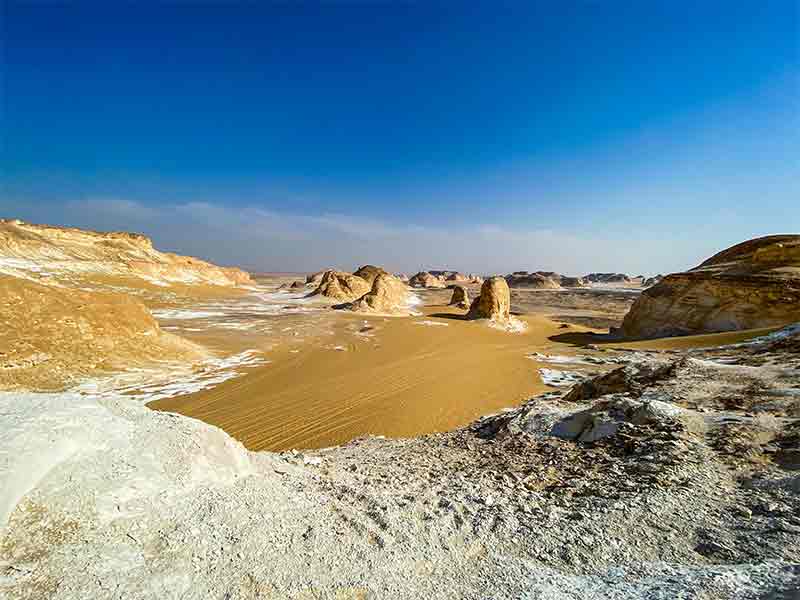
270, 240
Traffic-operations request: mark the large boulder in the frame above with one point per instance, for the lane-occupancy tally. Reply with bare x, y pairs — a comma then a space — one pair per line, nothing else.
423, 279
388, 296
341, 287
494, 302
460, 297
753, 284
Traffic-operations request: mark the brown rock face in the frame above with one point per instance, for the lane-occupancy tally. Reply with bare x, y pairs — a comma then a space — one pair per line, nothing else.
494, 303
341, 287
458, 277
460, 297
388, 296
369, 272
753, 284
426, 280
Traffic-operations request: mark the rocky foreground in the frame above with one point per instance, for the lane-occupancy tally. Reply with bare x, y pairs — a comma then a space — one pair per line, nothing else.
669, 475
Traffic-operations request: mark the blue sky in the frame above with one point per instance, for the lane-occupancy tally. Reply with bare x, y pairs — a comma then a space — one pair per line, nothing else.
572, 136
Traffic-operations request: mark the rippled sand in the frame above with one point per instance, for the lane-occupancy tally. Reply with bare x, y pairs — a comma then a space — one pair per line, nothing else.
350, 376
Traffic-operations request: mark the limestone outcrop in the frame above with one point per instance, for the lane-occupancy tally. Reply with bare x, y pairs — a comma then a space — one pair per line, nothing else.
341, 287
53, 336
67, 253
388, 296
494, 302
460, 297
523, 279
750, 285
423, 279
602, 278
369, 272
457, 277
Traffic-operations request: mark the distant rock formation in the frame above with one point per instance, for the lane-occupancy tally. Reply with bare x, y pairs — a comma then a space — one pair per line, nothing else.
473, 278
297, 285
494, 302
369, 272
460, 297
750, 285
388, 296
523, 279
341, 287
67, 253
607, 278
423, 279
457, 277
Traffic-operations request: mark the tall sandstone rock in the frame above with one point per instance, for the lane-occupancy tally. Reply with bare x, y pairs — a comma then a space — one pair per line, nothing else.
749, 285
494, 303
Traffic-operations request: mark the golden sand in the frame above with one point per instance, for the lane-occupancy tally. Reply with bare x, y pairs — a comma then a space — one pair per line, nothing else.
407, 379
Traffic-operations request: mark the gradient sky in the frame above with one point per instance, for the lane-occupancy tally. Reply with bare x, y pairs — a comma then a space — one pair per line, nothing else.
483, 136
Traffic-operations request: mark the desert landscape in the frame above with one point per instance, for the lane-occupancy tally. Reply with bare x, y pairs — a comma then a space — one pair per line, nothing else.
173, 428
387, 300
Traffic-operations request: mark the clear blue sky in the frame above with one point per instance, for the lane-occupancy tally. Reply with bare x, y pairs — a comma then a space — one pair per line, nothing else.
575, 136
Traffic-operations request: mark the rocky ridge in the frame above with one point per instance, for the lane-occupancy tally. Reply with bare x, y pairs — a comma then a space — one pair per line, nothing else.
58, 253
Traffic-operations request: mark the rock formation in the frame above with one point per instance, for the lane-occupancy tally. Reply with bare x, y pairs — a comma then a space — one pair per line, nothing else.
523, 279
651, 281
369, 272
297, 285
388, 296
341, 287
457, 277
750, 285
66, 253
53, 335
315, 278
607, 278
423, 279
460, 297
494, 302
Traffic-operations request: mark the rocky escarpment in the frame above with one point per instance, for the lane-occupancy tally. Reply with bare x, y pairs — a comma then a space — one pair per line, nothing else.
61, 253
753, 284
